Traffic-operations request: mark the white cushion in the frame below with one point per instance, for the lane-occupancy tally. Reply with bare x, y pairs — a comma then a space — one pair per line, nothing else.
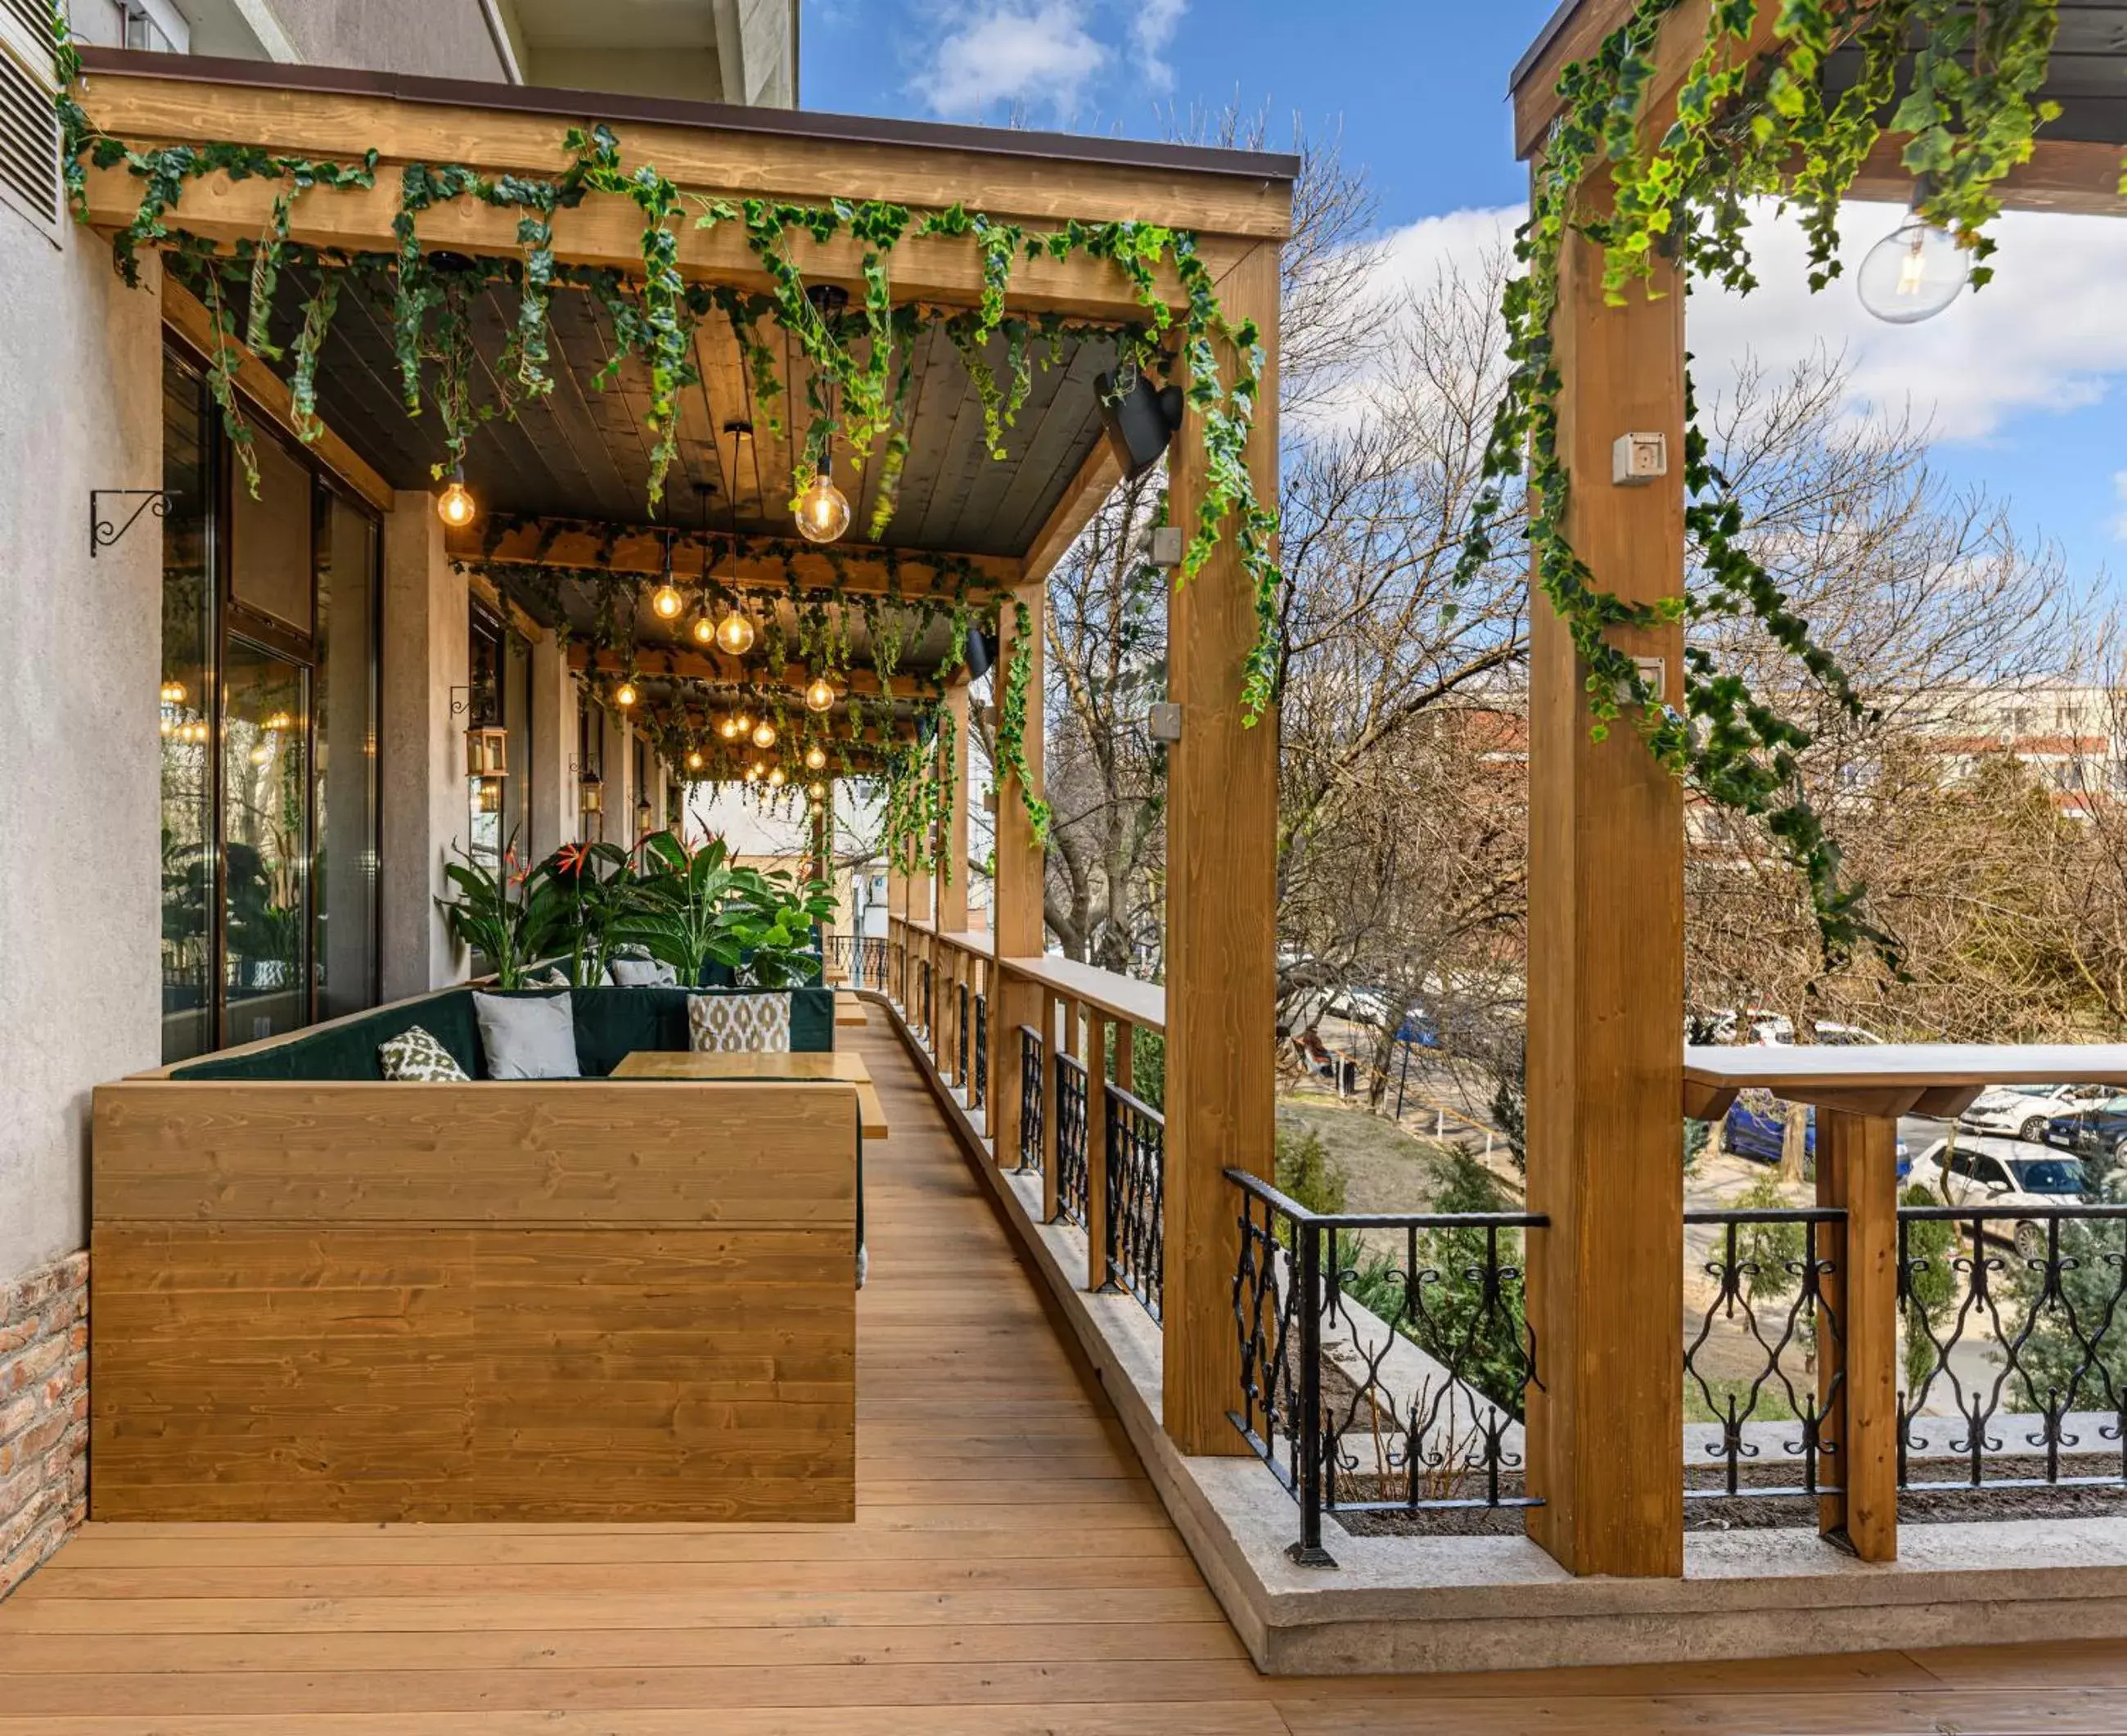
642, 973
527, 1035
724, 1024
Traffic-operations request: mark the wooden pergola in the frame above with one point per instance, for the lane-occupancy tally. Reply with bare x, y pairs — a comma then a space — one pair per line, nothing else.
567, 474
1606, 1039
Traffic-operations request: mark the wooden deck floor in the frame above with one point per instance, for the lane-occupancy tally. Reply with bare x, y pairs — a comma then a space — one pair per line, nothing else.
1009, 1573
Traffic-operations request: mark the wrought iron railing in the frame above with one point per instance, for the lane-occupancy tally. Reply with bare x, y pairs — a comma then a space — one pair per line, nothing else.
2014, 1346
1764, 1370
1384, 1359
923, 995
1071, 1179
1136, 1158
1030, 1099
980, 1096
867, 958
961, 1070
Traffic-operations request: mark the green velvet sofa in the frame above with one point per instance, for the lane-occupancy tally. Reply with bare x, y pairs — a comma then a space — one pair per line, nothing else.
611, 1023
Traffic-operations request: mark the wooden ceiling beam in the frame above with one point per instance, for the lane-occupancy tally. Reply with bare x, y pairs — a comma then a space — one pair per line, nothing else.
1098, 477
640, 550
606, 231
1021, 181
684, 665
2063, 175
183, 315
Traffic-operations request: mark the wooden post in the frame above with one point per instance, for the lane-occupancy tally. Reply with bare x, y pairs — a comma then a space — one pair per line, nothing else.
952, 847
1606, 974
1857, 1171
1125, 1056
1221, 919
1016, 926
896, 933
1097, 1149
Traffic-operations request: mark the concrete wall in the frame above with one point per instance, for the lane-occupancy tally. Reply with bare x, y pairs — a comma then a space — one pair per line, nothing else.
81, 638
443, 39
553, 793
427, 646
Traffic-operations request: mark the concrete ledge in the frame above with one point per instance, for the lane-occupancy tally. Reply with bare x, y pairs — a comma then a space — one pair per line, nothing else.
1407, 1604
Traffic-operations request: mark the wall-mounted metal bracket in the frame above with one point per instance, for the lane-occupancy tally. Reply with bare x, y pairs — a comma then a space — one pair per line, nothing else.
103, 532
1165, 722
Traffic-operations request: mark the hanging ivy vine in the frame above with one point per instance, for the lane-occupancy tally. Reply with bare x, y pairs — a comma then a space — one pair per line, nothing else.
1746, 127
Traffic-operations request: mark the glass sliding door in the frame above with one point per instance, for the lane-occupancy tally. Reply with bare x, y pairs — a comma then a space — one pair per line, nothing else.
189, 633
266, 842
270, 648
344, 788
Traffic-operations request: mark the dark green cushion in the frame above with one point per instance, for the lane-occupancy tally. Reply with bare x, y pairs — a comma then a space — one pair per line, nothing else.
610, 1024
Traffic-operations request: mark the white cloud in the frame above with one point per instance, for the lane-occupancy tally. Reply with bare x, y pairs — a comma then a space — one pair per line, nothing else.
1000, 53
2046, 336
1152, 28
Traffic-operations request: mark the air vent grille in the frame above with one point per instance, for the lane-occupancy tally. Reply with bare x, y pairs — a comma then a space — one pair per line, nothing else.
28, 129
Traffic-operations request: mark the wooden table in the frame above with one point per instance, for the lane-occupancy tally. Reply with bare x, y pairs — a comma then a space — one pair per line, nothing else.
835, 1065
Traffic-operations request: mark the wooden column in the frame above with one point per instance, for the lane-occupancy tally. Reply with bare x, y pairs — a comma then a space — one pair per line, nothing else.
1096, 1148
896, 933
1221, 919
1606, 977
1857, 1171
952, 847
1017, 930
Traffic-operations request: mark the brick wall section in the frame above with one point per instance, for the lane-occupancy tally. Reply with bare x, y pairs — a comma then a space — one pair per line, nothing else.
43, 1413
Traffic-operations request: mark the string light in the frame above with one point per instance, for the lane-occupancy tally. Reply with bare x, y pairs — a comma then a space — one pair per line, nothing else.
624, 694
665, 602
763, 734
775, 779
694, 760
745, 724
729, 728
818, 792
816, 758
735, 633
173, 693
753, 774
455, 506
705, 631
822, 510
820, 696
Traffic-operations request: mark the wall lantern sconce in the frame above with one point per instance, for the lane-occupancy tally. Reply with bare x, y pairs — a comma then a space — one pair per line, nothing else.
590, 793
487, 753
487, 795
104, 531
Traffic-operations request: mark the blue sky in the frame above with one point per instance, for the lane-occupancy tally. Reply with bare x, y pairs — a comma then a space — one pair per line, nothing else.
2022, 382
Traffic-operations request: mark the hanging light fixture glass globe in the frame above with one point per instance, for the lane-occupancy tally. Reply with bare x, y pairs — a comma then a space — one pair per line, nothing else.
666, 602
624, 694
705, 630
1913, 273
455, 506
822, 510
743, 724
735, 633
820, 696
763, 734
776, 779
753, 774
816, 758
727, 727
818, 792
694, 760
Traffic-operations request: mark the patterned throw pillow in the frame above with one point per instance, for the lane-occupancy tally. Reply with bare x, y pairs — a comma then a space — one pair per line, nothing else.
414, 1054
726, 1024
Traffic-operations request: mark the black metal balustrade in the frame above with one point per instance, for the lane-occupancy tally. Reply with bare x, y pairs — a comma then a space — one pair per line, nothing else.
923, 996
1136, 1160
1766, 1366
1071, 1179
2013, 1339
980, 1097
866, 958
1373, 1428
1030, 1099
960, 1071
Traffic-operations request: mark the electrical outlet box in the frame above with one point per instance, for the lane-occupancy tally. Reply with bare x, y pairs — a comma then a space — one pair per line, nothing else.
1655, 672
989, 801
1165, 722
1164, 545
1638, 458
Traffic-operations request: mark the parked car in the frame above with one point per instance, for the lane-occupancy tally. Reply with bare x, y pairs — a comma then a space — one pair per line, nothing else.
2095, 1130
2025, 1110
1844, 1036
1755, 1127
2003, 1175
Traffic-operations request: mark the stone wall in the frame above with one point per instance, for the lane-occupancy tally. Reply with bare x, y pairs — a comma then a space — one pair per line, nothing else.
43, 1413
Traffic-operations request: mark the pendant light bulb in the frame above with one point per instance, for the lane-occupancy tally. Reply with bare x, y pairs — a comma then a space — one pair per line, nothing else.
820, 696
822, 510
694, 760
667, 603
742, 725
818, 792
1913, 273
705, 631
775, 779
763, 734
728, 729
816, 758
173, 693
455, 506
624, 694
735, 634
753, 774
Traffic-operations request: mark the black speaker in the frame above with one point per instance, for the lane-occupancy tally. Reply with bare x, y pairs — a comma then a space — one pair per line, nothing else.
981, 654
1140, 422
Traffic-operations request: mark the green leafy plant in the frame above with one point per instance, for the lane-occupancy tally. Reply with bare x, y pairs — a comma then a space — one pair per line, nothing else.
1747, 126
694, 906
511, 915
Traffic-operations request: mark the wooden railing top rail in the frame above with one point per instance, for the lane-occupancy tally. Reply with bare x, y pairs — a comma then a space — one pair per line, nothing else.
1143, 1004
969, 940
1888, 1079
